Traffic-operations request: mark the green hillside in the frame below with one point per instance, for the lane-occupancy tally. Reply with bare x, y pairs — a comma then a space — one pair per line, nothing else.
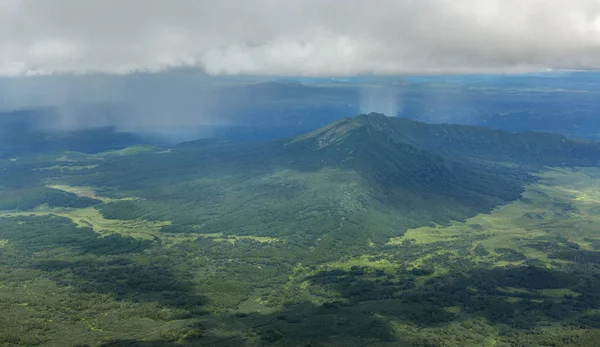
531, 149
370, 231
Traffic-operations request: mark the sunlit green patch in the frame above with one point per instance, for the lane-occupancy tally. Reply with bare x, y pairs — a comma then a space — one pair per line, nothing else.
512, 290
92, 218
554, 206
512, 299
73, 157
261, 239
3, 243
559, 293
69, 168
453, 309
69, 156
361, 261
86, 191
128, 151
217, 237
140, 229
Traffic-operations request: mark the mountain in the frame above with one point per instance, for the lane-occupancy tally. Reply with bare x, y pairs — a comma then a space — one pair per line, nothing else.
385, 154
465, 143
358, 180
420, 169
369, 231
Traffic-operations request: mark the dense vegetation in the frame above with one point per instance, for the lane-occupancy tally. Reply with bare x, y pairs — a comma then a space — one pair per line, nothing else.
370, 231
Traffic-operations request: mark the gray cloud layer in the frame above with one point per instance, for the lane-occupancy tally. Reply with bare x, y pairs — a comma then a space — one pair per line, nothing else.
299, 37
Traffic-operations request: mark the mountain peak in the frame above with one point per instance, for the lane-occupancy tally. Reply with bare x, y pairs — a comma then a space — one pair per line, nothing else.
461, 142
341, 130
372, 116
331, 134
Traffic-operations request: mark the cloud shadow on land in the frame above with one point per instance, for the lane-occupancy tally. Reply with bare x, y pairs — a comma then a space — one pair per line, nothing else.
123, 279
372, 305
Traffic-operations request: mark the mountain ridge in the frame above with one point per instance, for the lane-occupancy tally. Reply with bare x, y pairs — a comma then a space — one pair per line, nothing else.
532, 149
369, 176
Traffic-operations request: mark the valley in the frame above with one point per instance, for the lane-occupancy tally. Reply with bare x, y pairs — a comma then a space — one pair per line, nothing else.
356, 234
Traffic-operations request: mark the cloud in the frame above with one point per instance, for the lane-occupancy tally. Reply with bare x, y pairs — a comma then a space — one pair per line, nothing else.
380, 99
298, 37
171, 105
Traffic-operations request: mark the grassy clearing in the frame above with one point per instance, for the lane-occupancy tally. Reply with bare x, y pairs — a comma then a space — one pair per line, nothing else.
565, 203
132, 150
73, 157
86, 192
140, 229
68, 168
92, 218
217, 237
361, 261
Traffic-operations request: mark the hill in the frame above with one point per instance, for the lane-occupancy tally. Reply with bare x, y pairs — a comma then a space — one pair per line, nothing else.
371, 230
358, 180
462, 142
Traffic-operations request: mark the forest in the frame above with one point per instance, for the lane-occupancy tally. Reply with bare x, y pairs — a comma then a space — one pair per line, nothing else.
356, 234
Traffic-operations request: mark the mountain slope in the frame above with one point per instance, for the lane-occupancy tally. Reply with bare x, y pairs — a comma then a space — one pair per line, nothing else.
359, 180
460, 142
304, 242
419, 169
531, 149
441, 158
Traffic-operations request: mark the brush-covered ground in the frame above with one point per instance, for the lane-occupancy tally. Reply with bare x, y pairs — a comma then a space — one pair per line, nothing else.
208, 244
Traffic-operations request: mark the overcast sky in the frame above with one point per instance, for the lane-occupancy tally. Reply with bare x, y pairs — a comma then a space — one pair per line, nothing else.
298, 37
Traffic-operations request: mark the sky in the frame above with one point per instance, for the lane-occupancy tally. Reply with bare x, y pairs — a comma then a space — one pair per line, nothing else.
298, 37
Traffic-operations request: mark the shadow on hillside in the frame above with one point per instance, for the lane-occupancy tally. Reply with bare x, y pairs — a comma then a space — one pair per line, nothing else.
223, 342
510, 295
33, 234
372, 304
577, 255
112, 245
124, 279
299, 325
